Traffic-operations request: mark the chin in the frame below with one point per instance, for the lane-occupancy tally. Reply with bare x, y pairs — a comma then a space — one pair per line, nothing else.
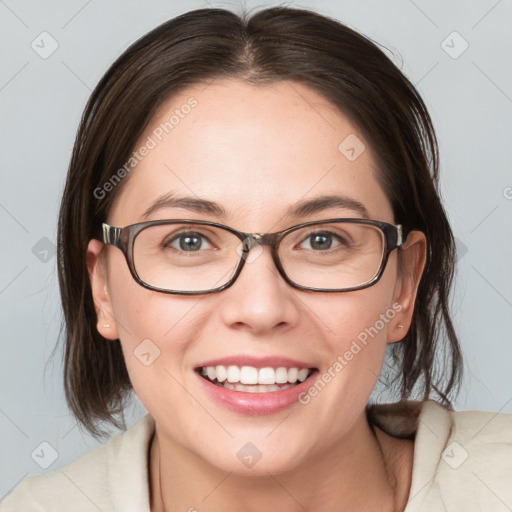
258, 457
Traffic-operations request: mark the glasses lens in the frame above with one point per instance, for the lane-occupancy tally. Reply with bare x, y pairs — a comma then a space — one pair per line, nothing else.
332, 256
185, 257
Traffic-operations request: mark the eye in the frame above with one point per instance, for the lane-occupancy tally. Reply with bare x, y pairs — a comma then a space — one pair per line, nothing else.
190, 241
323, 240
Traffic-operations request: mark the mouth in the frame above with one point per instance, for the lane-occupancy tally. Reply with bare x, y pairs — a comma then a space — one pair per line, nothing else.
251, 379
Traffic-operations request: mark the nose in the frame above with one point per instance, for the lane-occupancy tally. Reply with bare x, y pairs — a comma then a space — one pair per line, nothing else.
260, 300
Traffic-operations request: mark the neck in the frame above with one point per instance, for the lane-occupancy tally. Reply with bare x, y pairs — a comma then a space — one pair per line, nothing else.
363, 471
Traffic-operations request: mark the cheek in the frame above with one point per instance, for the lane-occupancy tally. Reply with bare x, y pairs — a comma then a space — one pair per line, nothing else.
358, 338
141, 313
362, 315
355, 327
155, 331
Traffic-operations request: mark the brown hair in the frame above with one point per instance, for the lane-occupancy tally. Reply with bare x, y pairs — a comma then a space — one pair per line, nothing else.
271, 45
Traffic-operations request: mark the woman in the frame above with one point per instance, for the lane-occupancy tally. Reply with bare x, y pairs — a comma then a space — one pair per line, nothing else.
250, 224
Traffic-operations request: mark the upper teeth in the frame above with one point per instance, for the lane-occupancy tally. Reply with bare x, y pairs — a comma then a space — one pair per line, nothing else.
251, 375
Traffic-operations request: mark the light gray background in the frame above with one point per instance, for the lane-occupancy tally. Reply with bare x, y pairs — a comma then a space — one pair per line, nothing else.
41, 100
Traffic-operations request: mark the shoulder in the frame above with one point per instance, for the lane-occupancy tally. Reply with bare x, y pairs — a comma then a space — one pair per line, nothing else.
462, 460
88, 484
475, 437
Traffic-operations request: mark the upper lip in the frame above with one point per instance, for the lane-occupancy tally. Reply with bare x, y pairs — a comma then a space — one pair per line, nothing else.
256, 362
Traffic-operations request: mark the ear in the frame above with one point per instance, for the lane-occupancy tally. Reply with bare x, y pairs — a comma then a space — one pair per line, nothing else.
96, 266
412, 259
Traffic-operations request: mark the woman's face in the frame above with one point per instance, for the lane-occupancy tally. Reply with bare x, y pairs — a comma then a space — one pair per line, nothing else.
255, 151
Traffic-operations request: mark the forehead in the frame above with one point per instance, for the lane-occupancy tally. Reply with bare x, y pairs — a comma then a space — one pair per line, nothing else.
254, 150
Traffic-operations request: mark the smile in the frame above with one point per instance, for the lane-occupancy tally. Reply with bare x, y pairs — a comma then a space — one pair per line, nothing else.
250, 379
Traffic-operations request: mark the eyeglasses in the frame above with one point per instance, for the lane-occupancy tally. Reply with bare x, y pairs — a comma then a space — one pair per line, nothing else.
192, 257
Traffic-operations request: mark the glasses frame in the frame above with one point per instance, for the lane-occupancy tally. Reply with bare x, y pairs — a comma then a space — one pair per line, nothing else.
124, 239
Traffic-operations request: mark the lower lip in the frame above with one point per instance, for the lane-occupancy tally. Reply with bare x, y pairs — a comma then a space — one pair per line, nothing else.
253, 404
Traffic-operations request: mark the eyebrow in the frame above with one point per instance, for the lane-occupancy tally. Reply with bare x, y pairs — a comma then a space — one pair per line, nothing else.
193, 204
299, 209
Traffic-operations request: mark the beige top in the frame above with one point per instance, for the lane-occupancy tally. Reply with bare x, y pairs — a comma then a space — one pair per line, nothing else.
462, 462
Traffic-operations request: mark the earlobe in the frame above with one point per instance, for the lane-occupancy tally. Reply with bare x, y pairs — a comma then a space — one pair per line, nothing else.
411, 264
96, 268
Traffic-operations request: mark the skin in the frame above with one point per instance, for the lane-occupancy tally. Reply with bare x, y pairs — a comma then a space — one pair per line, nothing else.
255, 150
